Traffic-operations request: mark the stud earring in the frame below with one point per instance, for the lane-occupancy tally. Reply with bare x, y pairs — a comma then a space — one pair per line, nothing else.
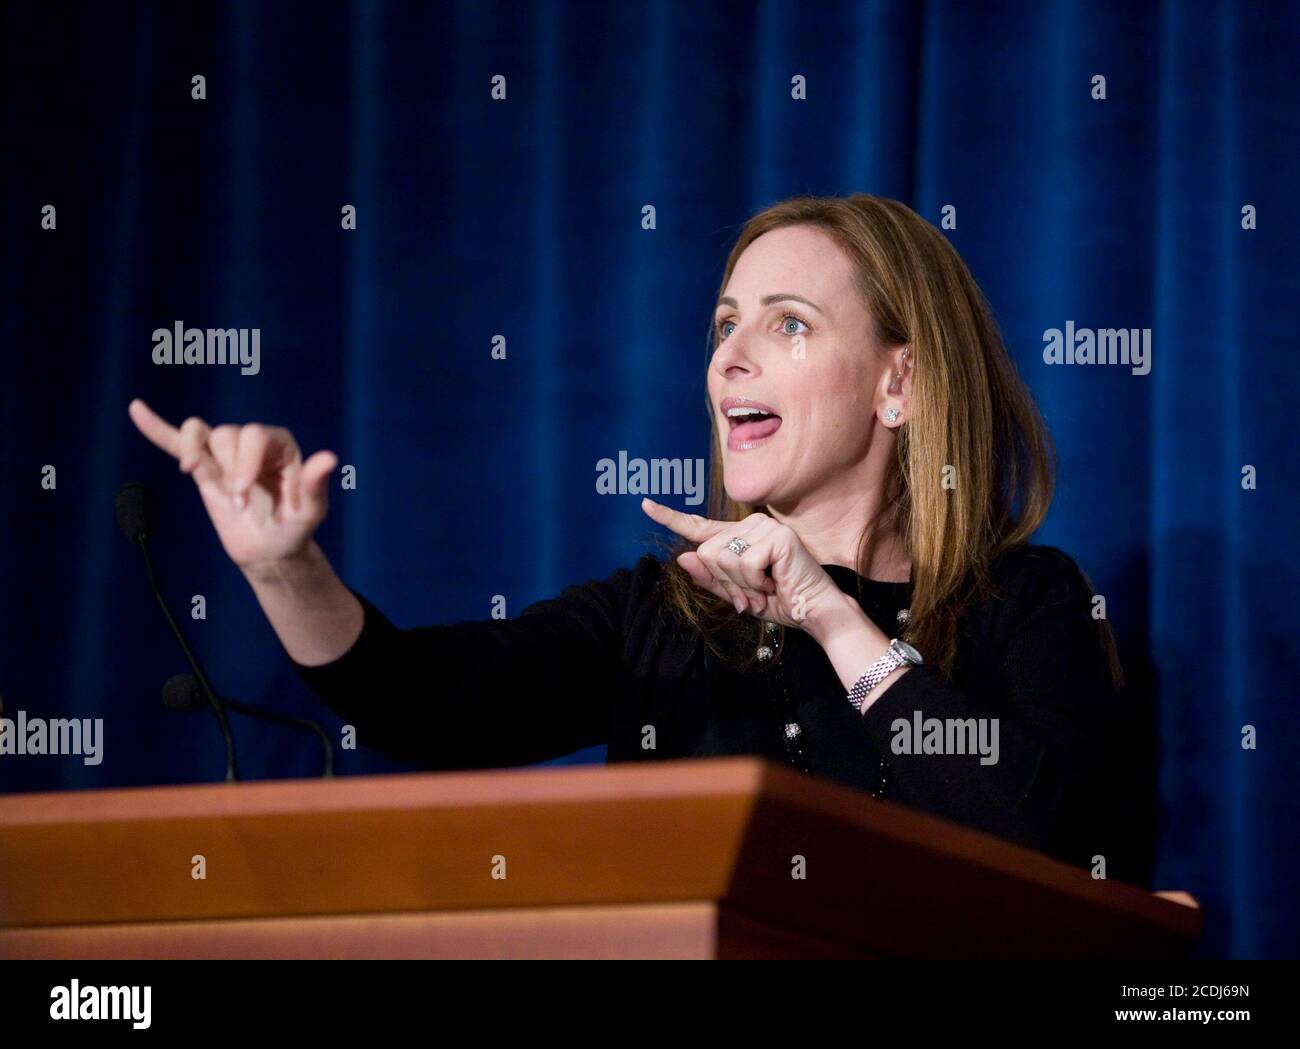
891, 415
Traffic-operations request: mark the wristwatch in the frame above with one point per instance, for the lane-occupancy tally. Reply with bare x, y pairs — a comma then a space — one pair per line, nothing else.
896, 655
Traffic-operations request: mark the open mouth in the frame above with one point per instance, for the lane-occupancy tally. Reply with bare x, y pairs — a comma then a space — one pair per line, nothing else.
749, 422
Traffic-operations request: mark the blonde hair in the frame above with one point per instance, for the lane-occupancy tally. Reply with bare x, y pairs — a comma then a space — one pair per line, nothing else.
969, 411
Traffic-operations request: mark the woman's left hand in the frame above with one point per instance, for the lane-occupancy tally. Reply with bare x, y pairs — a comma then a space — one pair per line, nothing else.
775, 578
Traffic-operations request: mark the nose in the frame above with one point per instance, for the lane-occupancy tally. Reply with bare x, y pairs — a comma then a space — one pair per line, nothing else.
733, 358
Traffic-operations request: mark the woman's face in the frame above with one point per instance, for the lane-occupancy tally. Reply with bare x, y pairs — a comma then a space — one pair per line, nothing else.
795, 340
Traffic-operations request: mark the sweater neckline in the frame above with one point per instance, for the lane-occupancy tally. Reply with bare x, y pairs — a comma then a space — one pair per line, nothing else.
849, 581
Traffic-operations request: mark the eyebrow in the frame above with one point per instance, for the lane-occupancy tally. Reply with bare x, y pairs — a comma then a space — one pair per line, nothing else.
767, 300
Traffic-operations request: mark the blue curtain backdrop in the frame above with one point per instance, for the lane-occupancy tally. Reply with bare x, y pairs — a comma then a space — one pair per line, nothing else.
522, 218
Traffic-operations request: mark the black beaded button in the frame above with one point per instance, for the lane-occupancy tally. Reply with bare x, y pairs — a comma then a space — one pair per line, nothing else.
883, 774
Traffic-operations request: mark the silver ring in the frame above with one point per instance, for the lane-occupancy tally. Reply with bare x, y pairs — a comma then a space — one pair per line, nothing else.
738, 546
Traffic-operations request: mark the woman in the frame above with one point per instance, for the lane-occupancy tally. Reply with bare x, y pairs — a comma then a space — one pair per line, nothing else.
878, 469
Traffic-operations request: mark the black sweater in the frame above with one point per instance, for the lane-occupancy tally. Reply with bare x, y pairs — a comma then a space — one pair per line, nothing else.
605, 662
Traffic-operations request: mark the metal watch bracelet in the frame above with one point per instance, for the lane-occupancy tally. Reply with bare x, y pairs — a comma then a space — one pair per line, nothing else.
899, 654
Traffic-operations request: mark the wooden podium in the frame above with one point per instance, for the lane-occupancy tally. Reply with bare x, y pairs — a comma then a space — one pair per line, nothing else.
719, 858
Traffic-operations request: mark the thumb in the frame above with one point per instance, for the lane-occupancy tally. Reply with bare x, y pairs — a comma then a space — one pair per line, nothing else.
315, 475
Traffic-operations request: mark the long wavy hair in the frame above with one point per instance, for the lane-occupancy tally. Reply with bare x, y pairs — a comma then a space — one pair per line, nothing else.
972, 419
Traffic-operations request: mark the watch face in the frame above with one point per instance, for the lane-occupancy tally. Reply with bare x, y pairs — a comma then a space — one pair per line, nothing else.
907, 651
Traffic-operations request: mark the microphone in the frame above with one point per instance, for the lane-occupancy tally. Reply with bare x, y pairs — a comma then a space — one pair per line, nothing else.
182, 692
135, 516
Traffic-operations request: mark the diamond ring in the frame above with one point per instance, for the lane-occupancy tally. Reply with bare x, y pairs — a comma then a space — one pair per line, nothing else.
738, 546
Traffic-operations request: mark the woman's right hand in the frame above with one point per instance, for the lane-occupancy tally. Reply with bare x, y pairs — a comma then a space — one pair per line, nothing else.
264, 501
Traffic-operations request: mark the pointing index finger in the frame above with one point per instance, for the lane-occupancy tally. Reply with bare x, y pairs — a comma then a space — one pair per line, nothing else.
155, 427
689, 526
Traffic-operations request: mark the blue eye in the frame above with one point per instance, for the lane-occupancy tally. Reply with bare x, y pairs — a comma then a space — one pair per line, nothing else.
790, 325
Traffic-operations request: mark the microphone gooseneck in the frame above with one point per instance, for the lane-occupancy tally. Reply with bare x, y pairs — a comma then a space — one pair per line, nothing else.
182, 692
135, 516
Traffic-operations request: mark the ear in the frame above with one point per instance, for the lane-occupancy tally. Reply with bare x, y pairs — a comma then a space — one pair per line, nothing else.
893, 405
